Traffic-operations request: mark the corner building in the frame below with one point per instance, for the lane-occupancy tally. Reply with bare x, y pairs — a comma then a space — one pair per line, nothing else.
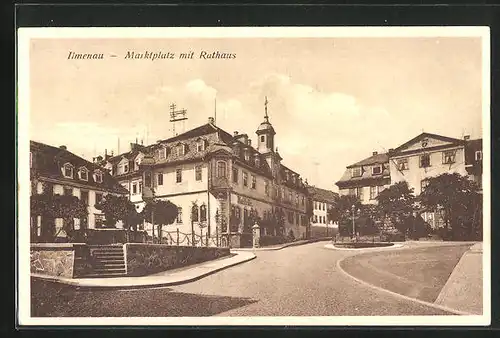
218, 180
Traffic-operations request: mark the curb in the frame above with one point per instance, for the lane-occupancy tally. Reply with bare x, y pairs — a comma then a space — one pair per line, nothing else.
82, 285
284, 246
395, 246
398, 295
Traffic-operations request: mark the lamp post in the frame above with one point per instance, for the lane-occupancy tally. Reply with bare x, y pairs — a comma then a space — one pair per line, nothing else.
353, 224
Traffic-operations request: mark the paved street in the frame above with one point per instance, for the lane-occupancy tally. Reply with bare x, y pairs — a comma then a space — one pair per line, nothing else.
296, 281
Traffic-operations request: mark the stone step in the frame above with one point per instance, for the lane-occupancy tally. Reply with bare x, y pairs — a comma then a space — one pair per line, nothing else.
105, 275
108, 269
109, 256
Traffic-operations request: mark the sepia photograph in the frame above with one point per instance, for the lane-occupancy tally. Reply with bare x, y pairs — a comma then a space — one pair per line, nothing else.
254, 176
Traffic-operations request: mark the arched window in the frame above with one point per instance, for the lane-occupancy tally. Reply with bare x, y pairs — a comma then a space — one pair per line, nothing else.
194, 213
68, 170
221, 169
203, 213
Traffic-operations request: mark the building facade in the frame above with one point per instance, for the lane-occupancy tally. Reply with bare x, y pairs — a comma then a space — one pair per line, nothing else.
321, 201
366, 179
424, 156
64, 173
219, 181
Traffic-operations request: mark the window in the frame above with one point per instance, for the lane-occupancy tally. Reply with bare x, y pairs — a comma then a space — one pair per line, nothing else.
266, 188
221, 169
315, 218
297, 219
403, 164
303, 201
448, 157
98, 177
98, 197
423, 185
359, 193
254, 182
478, 155
377, 170
140, 187
125, 168
178, 175
425, 161
84, 174
262, 138
68, 191
194, 213
235, 175
84, 197
160, 178
247, 155
99, 220
136, 165
179, 215
245, 179
147, 179
197, 172
356, 172
134, 188
373, 192
203, 213
68, 170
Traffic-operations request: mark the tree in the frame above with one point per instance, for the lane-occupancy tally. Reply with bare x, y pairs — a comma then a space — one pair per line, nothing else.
119, 208
161, 213
458, 200
397, 204
342, 213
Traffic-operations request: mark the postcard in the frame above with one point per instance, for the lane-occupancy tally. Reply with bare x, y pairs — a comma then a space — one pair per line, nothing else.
254, 176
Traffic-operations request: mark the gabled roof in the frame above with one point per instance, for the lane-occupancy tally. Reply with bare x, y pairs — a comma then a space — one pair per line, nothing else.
374, 159
323, 195
428, 135
48, 161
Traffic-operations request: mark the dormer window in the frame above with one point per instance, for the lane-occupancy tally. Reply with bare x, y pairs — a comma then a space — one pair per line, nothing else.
125, 168
377, 170
356, 172
68, 170
247, 155
162, 153
201, 145
84, 174
98, 176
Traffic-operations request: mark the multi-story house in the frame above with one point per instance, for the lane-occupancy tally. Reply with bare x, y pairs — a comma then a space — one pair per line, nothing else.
62, 172
219, 180
367, 178
424, 156
474, 160
321, 201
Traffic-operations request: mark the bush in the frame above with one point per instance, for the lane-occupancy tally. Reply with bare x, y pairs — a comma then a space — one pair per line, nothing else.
272, 240
392, 236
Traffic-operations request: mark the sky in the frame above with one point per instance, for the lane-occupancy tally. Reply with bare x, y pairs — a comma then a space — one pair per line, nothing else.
332, 101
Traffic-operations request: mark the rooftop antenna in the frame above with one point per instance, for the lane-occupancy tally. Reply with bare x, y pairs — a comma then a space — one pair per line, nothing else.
176, 116
266, 117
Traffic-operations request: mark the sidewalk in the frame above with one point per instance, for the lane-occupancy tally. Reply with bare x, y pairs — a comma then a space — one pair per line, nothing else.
286, 245
464, 289
166, 278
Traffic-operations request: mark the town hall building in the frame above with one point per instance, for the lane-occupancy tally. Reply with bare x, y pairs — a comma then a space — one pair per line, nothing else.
219, 182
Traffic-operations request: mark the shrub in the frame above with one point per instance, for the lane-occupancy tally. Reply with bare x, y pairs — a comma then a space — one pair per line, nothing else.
272, 240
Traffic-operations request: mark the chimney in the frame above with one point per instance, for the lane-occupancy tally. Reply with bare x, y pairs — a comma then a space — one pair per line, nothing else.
466, 137
391, 150
249, 142
211, 120
375, 153
63, 147
235, 133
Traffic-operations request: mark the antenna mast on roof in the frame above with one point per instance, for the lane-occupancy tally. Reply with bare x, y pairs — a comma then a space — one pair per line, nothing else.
177, 116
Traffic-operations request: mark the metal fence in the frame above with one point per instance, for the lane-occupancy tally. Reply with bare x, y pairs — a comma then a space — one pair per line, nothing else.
180, 238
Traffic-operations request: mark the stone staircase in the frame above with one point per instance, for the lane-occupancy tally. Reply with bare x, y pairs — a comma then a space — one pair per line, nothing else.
107, 261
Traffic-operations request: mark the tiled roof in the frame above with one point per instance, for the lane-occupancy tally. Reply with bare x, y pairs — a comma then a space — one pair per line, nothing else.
374, 159
366, 176
48, 161
323, 195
